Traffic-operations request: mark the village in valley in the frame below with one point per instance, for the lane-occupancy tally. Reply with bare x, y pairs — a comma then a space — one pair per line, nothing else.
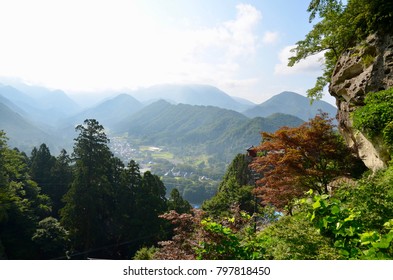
193, 181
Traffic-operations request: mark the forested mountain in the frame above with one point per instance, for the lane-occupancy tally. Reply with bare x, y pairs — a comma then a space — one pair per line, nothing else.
204, 129
301, 193
190, 94
291, 103
22, 133
109, 112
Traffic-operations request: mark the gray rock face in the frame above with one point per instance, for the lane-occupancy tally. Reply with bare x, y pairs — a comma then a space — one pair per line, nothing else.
363, 69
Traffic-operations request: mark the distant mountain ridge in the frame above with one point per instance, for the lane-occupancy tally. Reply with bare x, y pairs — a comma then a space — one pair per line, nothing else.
20, 131
293, 104
212, 122
192, 94
108, 112
45, 107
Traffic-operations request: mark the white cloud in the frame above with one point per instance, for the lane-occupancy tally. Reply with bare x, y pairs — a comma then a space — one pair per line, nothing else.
97, 45
312, 64
231, 38
270, 37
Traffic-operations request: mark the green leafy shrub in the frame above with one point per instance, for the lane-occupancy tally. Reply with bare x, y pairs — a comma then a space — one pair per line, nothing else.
372, 197
145, 253
336, 221
295, 238
378, 246
358, 219
232, 238
375, 118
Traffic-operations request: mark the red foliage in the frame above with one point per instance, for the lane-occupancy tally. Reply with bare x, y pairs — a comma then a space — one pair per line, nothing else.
183, 243
295, 160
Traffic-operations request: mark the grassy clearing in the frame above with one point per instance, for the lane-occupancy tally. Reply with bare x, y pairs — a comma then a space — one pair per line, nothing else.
163, 155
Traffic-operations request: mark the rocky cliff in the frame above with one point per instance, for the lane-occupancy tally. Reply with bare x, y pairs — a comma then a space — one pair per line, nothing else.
360, 70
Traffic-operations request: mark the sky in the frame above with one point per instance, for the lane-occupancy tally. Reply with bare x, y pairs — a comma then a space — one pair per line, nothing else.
91, 46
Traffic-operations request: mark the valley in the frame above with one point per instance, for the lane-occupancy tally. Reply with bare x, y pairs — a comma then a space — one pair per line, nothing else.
186, 134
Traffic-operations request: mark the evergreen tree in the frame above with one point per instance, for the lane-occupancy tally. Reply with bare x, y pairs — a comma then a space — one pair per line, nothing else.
177, 203
41, 164
89, 201
53, 175
150, 203
61, 177
235, 188
126, 222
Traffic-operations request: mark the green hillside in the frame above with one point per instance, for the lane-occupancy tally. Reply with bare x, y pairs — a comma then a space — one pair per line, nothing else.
199, 129
21, 133
291, 103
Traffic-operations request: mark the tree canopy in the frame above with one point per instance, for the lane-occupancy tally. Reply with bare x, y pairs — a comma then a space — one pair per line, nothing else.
107, 209
292, 161
340, 27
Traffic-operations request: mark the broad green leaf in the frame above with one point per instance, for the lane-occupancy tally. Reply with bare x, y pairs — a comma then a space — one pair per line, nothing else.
335, 210
316, 204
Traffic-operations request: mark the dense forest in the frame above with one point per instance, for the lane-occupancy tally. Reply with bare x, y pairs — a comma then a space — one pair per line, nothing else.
88, 204
302, 193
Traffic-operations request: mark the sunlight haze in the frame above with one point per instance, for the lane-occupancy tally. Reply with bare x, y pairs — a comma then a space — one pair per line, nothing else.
241, 47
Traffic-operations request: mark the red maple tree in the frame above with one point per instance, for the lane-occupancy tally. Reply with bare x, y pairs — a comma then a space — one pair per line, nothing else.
292, 161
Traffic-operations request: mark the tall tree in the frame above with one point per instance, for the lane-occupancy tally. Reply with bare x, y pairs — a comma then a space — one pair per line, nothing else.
125, 222
150, 202
295, 160
61, 175
41, 164
89, 200
235, 188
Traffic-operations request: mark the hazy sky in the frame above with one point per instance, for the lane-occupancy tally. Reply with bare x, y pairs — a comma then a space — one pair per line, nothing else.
94, 45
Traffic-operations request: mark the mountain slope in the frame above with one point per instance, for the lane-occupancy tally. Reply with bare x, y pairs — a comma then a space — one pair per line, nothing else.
17, 97
190, 94
293, 104
45, 98
191, 124
108, 112
12, 106
199, 129
41, 105
21, 132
